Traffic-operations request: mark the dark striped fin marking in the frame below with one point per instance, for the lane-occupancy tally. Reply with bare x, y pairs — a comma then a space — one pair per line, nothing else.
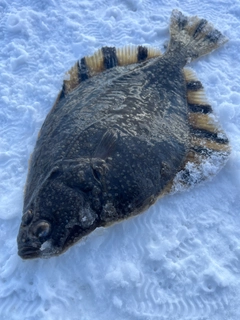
142, 53
207, 138
195, 91
197, 101
194, 85
83, 70
195, 107
103, 59
133, 54
110, 59
199, 145
202, 123
206, 128
199, 27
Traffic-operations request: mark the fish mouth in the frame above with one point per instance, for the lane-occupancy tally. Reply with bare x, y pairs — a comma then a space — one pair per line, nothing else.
29, 252
44, 251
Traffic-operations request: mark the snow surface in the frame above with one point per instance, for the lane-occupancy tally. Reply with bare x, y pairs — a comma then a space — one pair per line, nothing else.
178, 260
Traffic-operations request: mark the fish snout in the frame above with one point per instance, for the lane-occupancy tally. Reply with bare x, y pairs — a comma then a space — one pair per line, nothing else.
28, 247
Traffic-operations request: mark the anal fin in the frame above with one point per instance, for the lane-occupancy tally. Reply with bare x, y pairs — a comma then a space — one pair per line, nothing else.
209, 145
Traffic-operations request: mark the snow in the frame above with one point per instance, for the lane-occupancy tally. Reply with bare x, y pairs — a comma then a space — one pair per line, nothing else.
178, 260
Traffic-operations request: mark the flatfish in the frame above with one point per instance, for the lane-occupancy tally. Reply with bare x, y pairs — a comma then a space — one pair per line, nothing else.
129, 126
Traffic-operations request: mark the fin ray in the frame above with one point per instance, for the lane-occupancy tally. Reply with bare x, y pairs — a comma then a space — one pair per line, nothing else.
106, 145
192, 36
209, 146
102, 59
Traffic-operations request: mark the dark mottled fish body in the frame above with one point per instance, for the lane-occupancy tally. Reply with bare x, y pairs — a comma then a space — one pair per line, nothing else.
125, 124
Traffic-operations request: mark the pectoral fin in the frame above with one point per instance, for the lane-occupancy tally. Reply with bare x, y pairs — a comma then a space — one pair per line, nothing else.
106, 145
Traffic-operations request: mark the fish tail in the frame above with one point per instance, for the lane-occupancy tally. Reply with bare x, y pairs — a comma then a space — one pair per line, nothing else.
192, 36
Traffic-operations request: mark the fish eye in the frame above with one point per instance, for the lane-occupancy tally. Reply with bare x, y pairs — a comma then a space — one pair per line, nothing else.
42, 229
27, 217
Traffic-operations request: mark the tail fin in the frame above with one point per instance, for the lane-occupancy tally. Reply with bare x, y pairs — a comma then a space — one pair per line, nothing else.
193, 36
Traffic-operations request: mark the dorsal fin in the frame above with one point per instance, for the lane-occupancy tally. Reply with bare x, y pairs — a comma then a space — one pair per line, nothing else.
103, 59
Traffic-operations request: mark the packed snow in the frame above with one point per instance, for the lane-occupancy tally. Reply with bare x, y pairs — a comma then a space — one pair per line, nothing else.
178, 260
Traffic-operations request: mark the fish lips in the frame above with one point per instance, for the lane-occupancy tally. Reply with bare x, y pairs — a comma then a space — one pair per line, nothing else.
28, 248
28, 252
31, 251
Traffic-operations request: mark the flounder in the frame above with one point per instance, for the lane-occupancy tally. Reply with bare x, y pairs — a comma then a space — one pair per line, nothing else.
129, 126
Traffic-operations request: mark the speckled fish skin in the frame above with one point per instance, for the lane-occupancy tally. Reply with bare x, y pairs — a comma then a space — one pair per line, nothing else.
107, 150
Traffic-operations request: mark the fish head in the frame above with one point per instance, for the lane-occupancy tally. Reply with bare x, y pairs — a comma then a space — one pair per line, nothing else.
59, 213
